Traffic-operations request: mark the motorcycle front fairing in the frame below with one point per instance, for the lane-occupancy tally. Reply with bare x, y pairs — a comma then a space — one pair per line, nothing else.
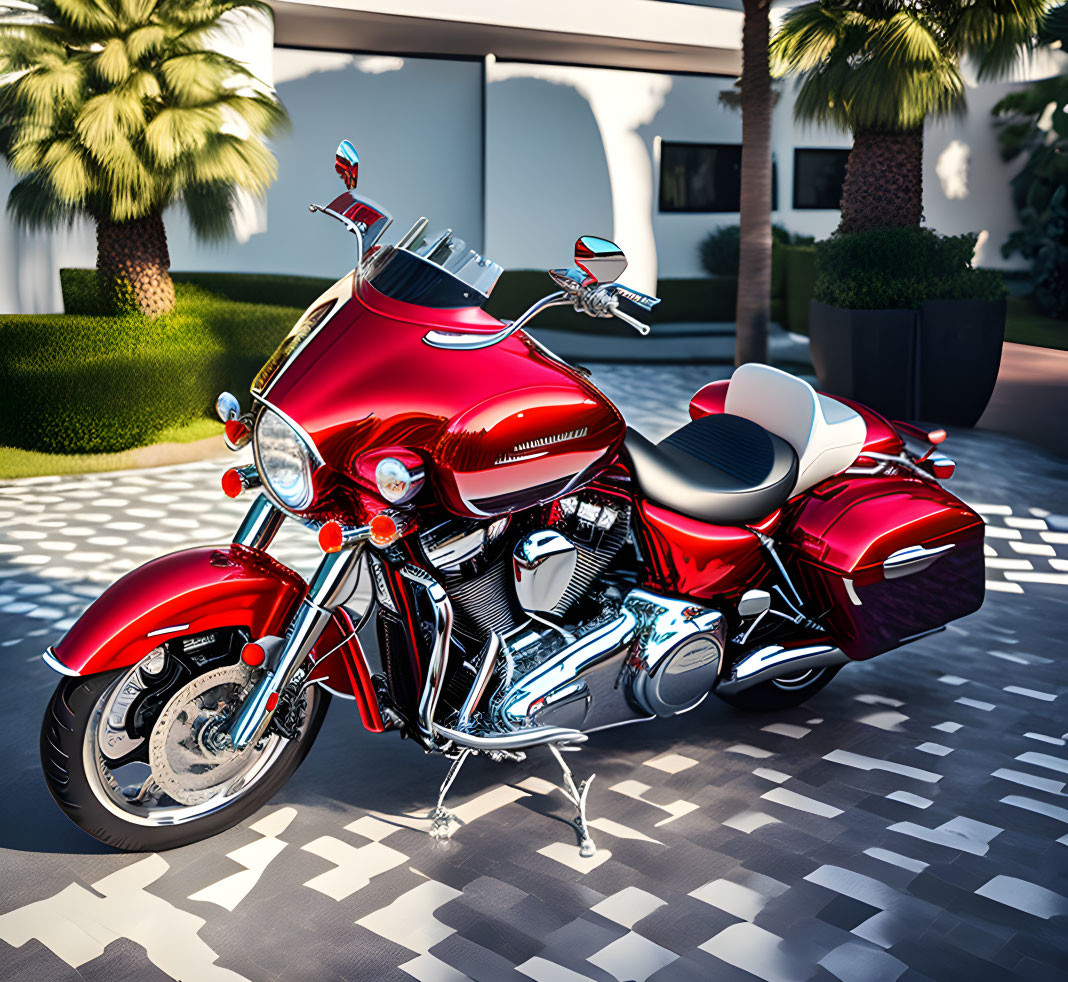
500, 429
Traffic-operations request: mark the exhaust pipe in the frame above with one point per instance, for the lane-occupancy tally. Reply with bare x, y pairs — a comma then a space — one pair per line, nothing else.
774, 661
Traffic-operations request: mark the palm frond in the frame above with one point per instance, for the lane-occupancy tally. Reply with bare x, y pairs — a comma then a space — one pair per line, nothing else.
112, 64
120, 108
33, 204
144, 41
889, 64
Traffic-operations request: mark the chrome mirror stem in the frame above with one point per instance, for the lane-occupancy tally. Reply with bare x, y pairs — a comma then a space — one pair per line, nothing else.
349, 224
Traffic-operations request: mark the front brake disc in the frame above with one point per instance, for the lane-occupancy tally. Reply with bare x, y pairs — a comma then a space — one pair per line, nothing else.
182, 762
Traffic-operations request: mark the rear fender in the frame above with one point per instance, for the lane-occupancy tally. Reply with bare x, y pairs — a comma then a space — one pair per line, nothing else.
200, 590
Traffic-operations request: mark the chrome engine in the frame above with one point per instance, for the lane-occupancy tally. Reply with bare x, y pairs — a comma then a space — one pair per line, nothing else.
574, 643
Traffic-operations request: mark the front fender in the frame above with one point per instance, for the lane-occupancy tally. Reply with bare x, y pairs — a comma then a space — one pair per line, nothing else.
184, 593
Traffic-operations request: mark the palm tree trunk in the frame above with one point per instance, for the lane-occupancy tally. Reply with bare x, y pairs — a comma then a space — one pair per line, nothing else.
754, 259
133, 266
884, 180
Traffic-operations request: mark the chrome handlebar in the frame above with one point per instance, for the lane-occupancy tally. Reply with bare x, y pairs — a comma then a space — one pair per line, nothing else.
582, 292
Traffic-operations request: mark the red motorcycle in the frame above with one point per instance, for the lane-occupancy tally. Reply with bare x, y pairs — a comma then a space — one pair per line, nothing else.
540, 570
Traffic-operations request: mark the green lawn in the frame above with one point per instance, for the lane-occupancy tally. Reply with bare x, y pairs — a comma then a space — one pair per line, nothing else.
1024, 324
32, 463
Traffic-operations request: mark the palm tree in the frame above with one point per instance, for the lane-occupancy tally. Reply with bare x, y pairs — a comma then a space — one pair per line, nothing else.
117, 109
754, 255
880, 68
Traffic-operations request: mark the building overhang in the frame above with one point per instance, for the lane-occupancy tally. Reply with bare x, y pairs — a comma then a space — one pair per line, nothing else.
637, 34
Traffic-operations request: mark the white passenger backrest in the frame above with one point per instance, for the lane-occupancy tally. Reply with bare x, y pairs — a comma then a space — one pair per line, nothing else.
826, 434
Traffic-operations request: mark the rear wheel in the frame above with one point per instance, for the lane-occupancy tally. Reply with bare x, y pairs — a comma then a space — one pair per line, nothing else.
782, 693
148, 785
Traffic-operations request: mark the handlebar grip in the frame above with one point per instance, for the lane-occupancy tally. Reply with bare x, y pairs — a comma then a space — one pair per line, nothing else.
641, 328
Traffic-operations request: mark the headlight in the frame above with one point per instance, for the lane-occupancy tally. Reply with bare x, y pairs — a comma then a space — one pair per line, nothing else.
285, 461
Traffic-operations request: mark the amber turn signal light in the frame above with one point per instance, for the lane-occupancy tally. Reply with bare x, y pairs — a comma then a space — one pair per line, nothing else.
331, 537
236, 434
238, 479
384, 529
232, 484
253, 655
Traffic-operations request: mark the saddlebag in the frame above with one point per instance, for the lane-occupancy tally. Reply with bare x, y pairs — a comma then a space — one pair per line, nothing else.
883, 560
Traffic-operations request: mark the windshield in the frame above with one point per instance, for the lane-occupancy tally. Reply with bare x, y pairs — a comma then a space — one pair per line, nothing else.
433, 271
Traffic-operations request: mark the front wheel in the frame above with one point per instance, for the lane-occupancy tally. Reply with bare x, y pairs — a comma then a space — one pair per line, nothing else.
784, 693
161, 788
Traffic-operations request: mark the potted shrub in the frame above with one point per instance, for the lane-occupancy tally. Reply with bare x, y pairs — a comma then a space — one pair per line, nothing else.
901, 321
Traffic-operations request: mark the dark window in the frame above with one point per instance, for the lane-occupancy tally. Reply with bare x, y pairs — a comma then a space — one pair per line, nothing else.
818, 178
704, 177
700, 176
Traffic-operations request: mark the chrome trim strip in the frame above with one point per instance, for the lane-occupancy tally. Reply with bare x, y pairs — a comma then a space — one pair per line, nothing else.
297, 428
338, 304
912, 559
166, 630
773, 661
50, 659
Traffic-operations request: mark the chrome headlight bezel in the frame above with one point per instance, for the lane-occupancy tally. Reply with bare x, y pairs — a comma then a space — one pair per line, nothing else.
285, 460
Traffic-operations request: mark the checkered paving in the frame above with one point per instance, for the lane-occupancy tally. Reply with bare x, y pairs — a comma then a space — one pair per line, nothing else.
909, 823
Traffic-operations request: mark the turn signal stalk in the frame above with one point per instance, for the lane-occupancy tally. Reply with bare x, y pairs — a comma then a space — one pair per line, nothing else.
239, 479
383, 530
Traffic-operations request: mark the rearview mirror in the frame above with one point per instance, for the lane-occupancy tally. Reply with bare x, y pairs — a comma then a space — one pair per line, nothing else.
347, 163
600, 258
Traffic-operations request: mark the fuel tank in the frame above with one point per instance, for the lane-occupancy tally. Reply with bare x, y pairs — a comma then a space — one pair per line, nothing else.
501, 428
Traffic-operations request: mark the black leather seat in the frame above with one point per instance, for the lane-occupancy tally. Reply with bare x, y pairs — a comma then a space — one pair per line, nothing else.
719, 468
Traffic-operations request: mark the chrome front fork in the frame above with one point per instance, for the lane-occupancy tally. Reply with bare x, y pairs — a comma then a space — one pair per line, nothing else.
332, 585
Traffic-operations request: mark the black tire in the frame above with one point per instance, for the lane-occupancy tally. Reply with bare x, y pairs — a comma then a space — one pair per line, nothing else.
781, 693
63, 734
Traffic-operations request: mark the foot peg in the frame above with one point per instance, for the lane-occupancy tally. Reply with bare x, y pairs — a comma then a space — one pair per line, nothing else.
577, 797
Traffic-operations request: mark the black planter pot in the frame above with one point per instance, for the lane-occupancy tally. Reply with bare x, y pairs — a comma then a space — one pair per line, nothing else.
938, 364
867, 355
959, 357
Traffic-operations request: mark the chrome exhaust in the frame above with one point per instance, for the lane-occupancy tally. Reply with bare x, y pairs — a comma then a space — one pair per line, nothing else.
774, 661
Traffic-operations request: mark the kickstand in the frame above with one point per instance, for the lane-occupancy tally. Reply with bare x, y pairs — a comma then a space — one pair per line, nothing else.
441, 826
577, 797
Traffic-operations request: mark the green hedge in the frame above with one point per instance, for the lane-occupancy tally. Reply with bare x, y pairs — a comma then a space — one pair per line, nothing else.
80, 288
86, 383
900, 268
